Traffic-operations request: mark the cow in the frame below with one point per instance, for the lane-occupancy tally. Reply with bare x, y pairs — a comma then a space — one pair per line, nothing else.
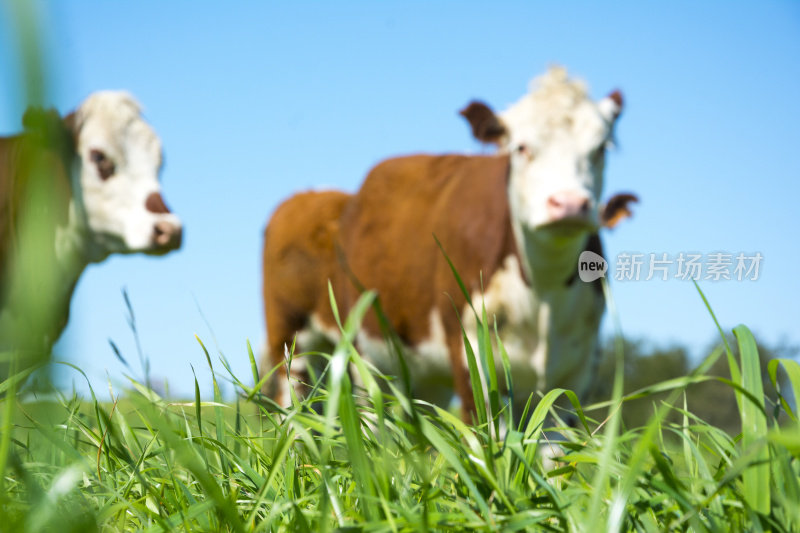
74, 190
512, 224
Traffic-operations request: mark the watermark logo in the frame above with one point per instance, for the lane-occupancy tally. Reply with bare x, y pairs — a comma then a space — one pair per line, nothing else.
591, 266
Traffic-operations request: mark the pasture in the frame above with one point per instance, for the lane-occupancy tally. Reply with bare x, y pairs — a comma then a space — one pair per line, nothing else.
369, 461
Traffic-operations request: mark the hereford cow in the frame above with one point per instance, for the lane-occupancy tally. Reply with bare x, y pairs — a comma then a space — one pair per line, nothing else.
73, 191
512, 224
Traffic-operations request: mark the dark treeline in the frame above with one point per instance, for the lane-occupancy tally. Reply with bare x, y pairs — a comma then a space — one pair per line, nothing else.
713, 401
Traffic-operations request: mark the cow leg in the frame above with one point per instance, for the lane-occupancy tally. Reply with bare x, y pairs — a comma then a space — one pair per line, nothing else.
277, 386
461, 381
281, 331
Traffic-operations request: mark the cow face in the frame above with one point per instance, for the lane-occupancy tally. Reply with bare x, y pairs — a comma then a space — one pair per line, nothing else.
119, 196
557, 138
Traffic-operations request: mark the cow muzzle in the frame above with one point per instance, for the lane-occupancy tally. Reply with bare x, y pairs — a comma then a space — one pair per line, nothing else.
166, 236
569, 206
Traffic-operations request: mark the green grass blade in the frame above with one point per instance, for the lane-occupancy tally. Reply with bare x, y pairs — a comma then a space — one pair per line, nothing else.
457, 277
601, 477
10, 401
792, 369
452, 457
487, 359
351, 427
734, 367
754, 424
253, 365
474, 379
506, 362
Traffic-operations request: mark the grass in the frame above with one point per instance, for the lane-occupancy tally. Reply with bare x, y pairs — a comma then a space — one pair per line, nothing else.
373, 459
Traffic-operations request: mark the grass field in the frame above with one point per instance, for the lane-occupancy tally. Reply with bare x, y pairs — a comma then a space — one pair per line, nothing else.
371, 460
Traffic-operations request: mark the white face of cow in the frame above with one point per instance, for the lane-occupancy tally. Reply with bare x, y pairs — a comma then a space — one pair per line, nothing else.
119, 195
556, 138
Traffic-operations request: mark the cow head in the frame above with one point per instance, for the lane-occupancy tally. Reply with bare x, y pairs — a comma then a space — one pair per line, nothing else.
556, 139
118, 195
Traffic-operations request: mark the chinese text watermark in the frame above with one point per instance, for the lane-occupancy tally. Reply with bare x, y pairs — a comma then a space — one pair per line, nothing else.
632, 266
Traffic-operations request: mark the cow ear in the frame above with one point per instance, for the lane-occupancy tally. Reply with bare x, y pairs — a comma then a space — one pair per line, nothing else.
611, 106
71, 124
617, 209
486, 126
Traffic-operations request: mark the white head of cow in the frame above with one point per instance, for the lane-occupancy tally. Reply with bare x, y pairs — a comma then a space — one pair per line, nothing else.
119, 195
555, 138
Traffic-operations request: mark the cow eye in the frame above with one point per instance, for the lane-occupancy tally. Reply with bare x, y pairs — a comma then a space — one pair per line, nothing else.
105, 166
524, 150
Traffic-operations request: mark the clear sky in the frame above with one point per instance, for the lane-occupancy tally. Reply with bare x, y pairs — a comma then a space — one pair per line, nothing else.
257, 101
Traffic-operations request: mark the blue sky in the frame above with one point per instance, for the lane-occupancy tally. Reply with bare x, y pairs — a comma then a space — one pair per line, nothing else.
256, 101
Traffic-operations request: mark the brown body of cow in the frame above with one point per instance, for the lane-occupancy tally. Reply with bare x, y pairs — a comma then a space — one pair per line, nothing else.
46, 149
302, 238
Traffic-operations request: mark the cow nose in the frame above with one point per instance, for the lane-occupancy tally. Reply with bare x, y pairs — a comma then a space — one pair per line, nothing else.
167, 235
568, 204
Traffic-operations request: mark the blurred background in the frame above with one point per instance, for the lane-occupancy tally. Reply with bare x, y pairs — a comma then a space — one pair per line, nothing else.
261, 100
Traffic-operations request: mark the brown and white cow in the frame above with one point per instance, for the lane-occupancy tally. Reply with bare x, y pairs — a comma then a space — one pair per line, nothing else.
513, 225
72, 191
